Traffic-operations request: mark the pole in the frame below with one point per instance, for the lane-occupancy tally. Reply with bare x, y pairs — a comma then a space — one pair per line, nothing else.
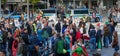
74, 4
0, 10
89, 4
21, 4
28, 10
48, 3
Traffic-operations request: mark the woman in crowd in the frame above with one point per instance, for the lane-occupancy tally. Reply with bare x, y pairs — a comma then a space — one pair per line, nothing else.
99, 37
92, 35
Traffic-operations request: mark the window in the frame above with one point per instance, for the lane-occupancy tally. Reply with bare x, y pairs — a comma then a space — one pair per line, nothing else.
49, 11
80, 11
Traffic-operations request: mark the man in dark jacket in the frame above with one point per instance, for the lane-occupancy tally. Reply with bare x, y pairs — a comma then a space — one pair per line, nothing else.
10, 41
24, 36
58, 27
111, 29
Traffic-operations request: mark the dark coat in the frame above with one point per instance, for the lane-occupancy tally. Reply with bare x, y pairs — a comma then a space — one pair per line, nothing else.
10, 41
106, 31
58, 27
25, 38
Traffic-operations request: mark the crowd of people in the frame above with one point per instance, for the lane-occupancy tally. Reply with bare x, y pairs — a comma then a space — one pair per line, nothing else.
114, 13
40, 37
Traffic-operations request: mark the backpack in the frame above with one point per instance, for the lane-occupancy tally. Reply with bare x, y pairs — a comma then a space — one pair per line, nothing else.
60, 46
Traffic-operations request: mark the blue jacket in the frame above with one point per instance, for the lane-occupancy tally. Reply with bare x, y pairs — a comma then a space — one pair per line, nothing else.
39, 32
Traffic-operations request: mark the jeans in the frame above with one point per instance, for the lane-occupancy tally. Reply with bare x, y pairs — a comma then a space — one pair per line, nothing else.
116, 48
110, 39
10, 52
106, 41
92, 44
0, 46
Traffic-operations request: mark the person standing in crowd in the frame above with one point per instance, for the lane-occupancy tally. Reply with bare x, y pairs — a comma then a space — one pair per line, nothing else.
20, 47
39, 35
111, 29
4, 37
60, 46
115, 44
83, 31
64, 27
10, 41
67, 40
58, 27
74, 33
39, 46
33, 43
45, 34
99, 37
106, 35
81, 22
25, 38
92, 35
78, 35
49, 30
15, 46
29, 27
52, 42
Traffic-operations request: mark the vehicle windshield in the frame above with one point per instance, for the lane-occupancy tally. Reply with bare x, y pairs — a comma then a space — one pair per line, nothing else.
17, 13
49, 11
80, 11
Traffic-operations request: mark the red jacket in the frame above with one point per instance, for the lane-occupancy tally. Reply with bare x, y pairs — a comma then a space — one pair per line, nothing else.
78, 35
14, 48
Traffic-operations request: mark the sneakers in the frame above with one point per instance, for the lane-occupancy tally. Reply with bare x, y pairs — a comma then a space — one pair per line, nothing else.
109, 45
98, 49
